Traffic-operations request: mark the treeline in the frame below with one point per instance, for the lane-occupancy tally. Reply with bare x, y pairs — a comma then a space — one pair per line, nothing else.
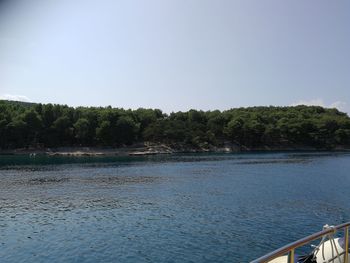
46, 125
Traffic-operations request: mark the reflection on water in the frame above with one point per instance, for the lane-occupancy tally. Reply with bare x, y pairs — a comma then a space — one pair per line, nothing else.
266, 161
45, 180
182, 208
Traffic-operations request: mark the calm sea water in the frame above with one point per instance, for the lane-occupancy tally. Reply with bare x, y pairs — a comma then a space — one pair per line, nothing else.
184, 208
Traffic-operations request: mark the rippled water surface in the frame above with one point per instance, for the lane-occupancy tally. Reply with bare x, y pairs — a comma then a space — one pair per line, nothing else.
185, 208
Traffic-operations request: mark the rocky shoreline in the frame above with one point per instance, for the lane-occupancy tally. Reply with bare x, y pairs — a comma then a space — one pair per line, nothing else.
139, 150
143, 149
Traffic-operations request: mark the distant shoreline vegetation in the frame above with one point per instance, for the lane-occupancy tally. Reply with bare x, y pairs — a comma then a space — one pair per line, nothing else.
32, 125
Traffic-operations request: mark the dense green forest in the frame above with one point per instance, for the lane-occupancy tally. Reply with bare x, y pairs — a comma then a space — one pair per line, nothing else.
46, 125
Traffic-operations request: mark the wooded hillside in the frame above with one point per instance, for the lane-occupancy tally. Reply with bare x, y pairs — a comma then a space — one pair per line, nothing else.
47, 125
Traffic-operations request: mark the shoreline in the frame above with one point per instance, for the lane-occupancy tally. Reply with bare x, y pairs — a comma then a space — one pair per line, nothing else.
158, 149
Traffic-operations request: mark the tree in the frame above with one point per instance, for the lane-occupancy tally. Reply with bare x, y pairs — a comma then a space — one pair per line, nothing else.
234, 130
62, 128
126, 130
216, 124
342, 136
81, 130
16, 133
33, 125
104, 133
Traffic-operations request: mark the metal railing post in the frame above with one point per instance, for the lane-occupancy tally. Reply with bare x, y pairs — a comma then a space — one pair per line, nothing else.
346, 237
291, 256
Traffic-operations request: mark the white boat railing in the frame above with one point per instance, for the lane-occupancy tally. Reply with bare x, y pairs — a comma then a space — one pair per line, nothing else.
290, 248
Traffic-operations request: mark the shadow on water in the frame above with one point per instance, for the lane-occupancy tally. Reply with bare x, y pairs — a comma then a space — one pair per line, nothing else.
9, 161
43, 161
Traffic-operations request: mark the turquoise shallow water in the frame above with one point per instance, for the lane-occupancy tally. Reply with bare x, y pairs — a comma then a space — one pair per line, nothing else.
182, 208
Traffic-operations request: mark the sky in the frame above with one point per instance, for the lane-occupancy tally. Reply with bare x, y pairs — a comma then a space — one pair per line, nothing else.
176, 54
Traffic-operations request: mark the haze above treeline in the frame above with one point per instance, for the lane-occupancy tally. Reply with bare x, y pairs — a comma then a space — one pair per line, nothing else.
35, 125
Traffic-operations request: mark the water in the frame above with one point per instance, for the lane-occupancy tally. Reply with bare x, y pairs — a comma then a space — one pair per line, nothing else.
182, 208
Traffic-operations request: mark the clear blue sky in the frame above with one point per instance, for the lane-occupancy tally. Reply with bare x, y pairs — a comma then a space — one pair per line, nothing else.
176, 55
